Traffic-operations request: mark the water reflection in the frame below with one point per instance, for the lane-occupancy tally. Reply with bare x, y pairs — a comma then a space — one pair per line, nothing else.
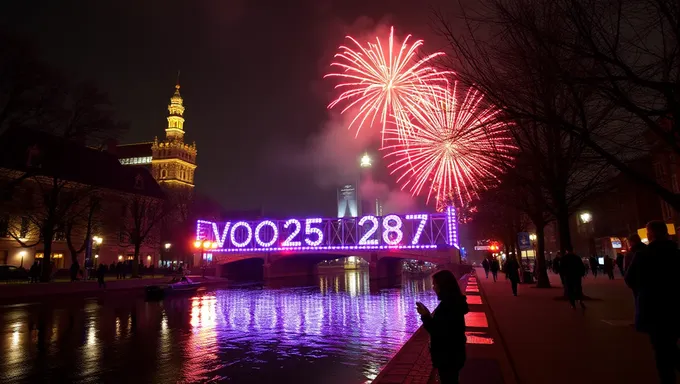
336, 331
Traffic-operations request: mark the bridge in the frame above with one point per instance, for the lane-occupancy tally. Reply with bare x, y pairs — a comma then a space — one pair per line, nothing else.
294, 247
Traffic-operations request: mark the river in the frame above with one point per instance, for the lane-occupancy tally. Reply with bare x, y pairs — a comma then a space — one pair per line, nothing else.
335, 331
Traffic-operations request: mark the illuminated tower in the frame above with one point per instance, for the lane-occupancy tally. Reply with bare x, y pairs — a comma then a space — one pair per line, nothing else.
174, 162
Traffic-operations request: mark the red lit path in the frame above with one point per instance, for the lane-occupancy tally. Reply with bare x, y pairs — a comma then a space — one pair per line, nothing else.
486, 359
548, 342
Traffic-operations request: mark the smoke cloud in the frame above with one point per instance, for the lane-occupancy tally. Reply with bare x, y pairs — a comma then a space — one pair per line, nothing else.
333, 154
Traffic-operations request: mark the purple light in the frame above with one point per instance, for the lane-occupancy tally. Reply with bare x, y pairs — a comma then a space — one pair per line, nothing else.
309, 230
366, 238
274, 237
387, 229
289, 241
220, 239
423, 219
249, 231
326, 248
451, 226
366, 233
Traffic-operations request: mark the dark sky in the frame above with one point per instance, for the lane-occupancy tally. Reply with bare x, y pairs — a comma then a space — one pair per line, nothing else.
250, 74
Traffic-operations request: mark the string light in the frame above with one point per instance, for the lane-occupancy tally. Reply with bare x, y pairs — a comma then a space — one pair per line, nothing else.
249, 237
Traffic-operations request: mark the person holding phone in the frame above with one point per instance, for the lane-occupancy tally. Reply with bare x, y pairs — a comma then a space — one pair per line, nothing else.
446, 327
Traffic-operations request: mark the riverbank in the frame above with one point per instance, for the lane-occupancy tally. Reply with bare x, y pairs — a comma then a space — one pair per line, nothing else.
486, 361
12, 292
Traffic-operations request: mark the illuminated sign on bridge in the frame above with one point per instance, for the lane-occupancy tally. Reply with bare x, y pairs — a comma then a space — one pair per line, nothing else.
411, 231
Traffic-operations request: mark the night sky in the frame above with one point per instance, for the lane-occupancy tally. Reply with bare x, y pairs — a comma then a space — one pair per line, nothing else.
251, 77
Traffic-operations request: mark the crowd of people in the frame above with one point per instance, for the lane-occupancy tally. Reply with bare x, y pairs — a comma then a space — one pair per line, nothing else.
648, 270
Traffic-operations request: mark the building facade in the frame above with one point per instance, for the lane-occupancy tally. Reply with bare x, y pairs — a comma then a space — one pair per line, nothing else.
171, 161
48, 179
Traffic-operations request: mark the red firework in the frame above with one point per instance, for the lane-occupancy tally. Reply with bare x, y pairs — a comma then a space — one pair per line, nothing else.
454, 147
383, 81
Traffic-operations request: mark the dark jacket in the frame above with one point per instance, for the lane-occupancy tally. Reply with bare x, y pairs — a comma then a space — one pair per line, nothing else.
652, 275
495, 265
634, 250
572, 268
446, 327
512, 269
485, 264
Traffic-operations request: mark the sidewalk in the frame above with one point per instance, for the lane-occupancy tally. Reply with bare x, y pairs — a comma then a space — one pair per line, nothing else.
548, 342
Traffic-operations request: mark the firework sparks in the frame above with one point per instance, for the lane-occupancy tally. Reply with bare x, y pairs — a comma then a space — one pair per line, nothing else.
383, 81
454, 148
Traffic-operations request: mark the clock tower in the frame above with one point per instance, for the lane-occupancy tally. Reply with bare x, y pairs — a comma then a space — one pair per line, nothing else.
173, 161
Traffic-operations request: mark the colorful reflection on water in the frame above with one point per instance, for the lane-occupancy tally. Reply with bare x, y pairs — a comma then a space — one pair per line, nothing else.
339, 331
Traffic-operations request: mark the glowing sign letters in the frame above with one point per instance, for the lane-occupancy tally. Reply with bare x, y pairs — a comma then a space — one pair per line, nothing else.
413, 231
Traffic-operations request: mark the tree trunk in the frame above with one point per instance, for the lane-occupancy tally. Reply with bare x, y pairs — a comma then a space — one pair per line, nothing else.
46, 270
563, 228
542, 280
135, 260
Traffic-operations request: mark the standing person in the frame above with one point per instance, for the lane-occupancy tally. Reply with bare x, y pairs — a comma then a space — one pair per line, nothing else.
485, 265
446, 327
119, 270
636, 246
495, 266
586, 265
512, 271
609, 267
34, 272
653, 276
556, 263
572, 271
101, 273
593, 265
619, 263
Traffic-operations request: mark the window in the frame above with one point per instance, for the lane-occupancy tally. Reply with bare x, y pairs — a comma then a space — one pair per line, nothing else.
164, 173
40, 255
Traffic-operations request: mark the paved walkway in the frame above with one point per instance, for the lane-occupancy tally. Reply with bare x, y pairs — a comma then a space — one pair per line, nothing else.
548, 342
486, 360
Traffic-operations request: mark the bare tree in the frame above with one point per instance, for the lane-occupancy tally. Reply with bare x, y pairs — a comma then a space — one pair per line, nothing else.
80, 226
569, 64
141, 224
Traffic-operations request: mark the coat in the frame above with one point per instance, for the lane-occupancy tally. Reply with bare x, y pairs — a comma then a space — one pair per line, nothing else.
446, 327
652, 276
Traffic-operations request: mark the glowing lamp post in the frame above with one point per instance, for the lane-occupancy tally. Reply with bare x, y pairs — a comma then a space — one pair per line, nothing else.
203, 245
586, 217
365, 161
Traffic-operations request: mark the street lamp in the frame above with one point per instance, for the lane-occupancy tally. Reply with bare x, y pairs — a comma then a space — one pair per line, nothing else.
97, 240
167, 246
22, 254
532, 237
203, 245
365, 161
586, 217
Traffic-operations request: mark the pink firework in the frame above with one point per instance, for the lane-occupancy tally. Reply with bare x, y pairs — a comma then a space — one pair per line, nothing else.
383, 81
454, 149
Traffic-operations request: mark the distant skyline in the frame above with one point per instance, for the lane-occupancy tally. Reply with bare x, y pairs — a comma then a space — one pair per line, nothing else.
251, 79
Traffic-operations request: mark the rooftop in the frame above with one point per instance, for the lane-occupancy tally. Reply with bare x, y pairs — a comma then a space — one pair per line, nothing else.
47, 155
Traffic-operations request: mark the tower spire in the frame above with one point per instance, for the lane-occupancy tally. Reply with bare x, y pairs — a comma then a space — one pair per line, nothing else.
175, 130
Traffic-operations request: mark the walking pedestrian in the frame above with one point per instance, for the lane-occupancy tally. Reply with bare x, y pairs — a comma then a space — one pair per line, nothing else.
609, 267
593, 265
446, 327
619, 263
101, 273
495, 266
512, 271
485, 265
572, 270
652, 275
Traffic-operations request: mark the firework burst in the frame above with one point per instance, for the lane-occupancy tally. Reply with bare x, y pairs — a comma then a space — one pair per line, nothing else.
454, 149
383, 81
